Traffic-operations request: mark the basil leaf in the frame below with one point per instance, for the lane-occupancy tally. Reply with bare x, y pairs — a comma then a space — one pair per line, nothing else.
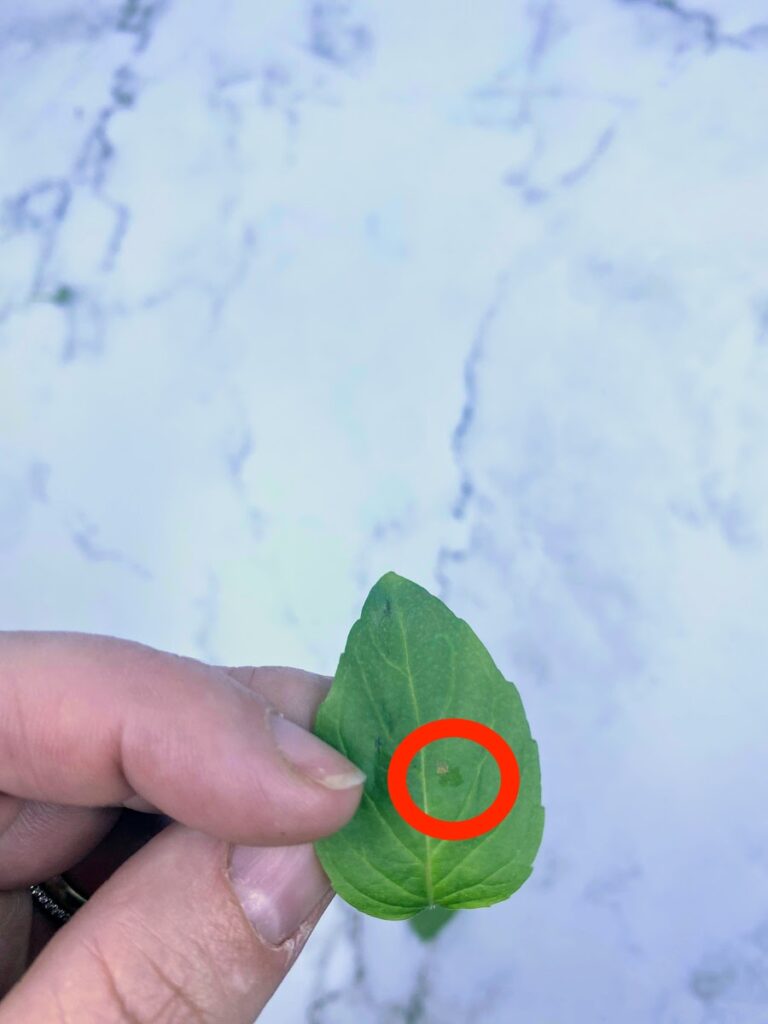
431, 921
409, 660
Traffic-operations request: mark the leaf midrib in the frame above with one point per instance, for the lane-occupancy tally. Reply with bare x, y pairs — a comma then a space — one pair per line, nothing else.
427, 857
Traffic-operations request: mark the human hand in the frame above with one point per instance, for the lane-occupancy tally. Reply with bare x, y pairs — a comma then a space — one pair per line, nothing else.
190, 927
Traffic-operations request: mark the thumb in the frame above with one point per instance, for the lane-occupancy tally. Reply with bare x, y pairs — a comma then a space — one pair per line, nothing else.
188, 929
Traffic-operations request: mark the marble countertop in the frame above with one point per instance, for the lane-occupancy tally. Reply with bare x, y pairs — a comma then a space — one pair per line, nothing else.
292, 295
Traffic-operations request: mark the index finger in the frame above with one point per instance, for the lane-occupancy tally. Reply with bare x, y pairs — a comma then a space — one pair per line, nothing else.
95, 720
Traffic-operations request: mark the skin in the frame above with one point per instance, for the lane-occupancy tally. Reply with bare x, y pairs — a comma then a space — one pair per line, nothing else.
91, 725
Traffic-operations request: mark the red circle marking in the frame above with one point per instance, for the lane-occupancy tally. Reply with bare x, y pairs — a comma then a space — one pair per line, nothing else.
466, 729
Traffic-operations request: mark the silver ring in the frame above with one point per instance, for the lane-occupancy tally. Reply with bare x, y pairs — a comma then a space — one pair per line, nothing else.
57, 898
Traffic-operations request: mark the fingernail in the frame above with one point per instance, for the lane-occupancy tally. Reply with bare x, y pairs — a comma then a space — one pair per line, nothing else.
138, 803
277, 887
313, 757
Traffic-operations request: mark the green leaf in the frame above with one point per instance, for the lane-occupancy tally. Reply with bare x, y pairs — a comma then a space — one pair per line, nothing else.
409, 660
431, 921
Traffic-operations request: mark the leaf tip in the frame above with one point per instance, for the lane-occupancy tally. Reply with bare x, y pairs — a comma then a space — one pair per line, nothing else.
389, 578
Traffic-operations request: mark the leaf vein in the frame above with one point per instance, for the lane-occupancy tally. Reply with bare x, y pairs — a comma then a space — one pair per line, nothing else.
390, 829
422, 760
385, 876
372, 899
369, 693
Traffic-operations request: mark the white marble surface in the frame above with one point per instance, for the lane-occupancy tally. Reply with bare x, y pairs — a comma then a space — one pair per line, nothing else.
291, 295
